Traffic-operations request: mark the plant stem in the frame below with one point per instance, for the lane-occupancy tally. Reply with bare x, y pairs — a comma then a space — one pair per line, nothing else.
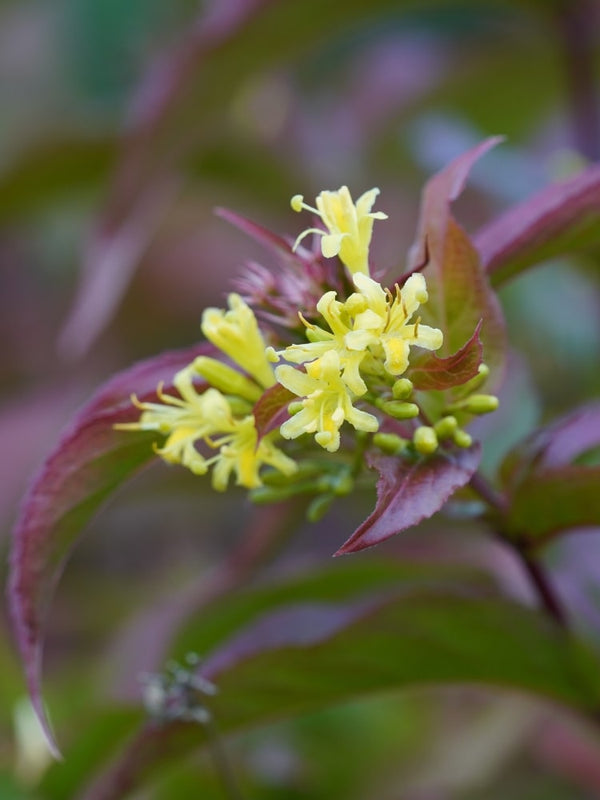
534, 569
544, 588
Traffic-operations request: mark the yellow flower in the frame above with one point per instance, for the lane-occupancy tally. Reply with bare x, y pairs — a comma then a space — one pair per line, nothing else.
241, 453
340, 322
327, 402
208, 418
236, 333
385, 325
349, 226
371, 323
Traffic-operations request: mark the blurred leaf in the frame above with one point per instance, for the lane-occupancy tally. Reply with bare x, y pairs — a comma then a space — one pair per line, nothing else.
557, 445
430, 372
562, 218
410, 491
90, 460
104, 731
459, 294
550, 501
338, 580
51, 169
312, 655
548, 490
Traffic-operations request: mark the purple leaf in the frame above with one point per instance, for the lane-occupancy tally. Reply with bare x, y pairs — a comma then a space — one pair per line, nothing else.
408, 492
556, 445
431, 372
270, 411
90, 460
561, 218
440, 191
570, 437
459, 292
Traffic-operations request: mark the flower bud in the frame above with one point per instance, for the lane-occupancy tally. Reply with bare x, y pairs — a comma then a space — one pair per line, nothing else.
390, 443
398, 409
425, 440
462, 438
402, 389
226, 379
445, 427
481, 403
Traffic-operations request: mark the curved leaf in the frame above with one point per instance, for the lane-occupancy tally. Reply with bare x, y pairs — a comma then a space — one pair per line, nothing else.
430, 372
308, 656
563, 218
459, 292
90, 460
410, 491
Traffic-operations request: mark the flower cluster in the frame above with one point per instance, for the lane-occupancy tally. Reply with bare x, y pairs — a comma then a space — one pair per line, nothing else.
350, 367
219, 417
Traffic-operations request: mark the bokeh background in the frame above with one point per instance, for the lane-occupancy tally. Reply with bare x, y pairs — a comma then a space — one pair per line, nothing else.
124, 124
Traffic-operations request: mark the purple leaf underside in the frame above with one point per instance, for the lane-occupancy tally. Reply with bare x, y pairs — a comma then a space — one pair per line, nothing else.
90, 460
408, 492
555, 446
431, 372
561, 217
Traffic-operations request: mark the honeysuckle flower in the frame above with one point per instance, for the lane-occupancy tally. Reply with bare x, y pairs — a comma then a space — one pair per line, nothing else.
236, 333
371, 322
385, 324
340, 322
349, 226
207, 417
241, 453
326, 403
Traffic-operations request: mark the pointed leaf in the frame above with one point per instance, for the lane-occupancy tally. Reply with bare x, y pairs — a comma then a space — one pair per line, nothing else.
313, 655
459, 292
408, 492
562, 218
270, 411
90, 460
431, 372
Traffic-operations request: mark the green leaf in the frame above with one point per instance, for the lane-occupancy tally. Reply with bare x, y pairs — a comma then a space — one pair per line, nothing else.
551, 501
312, 655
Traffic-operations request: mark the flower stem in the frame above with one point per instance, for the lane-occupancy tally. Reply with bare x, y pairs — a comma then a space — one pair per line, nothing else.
534, 569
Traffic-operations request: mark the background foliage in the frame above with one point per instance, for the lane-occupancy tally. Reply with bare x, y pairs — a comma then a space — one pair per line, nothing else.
124, 125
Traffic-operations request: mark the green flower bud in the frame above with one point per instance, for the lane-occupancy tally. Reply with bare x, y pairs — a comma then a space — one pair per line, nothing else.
398, 409
445, 427
480, 403
390, 443
402, 389
462, 438
425, 440
226, 379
